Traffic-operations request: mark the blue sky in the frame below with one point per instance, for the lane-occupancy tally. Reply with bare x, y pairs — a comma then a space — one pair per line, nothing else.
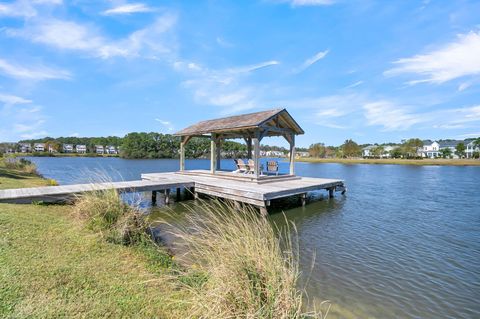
374, 71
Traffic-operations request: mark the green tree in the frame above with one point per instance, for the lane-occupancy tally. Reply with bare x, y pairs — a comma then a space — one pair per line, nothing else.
411, 147
460, 150
351, 149
446, 152
317, 150
378, 151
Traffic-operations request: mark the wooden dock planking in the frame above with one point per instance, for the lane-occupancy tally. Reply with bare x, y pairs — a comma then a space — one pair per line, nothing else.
254, 193
65, 192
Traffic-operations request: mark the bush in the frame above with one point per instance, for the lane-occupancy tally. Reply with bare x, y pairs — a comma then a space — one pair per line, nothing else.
21, 164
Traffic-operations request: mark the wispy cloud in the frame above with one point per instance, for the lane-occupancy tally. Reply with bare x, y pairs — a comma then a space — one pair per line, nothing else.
351, 86
389, 115
298, 3
23, 8
454, 60
166, 124
225, 88
310, 61
129, 9
74, 36
12, 99
32, 72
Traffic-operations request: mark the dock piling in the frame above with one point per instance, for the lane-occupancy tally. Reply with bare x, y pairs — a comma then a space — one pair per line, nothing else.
330, 192
154, 197
167, 196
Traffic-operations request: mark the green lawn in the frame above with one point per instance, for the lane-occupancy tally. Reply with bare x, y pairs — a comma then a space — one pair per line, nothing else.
52, 267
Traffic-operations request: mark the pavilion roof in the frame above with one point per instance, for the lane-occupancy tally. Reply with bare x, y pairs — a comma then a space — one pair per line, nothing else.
239, 124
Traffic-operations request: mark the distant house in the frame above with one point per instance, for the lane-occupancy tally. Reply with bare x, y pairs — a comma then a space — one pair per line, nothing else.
110, 149
387, 151
430, 149
25, 147
452, 145
302, 154
68, 148
470, 148
39, 147
52, 148
81, 149
367, 151
275, 154
99, 149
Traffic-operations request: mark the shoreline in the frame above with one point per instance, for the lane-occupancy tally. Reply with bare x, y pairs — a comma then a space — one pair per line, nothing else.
415, 162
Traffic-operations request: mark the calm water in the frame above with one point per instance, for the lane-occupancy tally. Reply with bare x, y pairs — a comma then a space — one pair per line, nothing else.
403, 243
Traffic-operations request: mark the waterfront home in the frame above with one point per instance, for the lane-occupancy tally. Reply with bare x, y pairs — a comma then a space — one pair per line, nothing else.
452, 145
274, 154
99, 149
470, 148
110, 149
39, 147
81, 149
430, 149
52, 148
25, 147
302, 154
67, 148
367, 151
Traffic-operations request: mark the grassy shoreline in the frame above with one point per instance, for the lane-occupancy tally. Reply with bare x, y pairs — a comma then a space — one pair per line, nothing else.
394, 161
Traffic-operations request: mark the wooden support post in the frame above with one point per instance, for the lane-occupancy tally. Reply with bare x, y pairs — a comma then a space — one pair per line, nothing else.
303, 199
218, 153
192, 192
179, 194
256, 156
249, 147
182, 156
167, 196
330, 192
292, 154
154, 197
213, 154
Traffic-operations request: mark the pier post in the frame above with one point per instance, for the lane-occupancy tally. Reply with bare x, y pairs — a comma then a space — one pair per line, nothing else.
167, 196
303, 199
179, 194
330, 192
154, 197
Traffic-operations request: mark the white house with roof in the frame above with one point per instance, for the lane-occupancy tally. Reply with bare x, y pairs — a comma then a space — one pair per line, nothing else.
274, 154
99, 149
430, 149
67, 148
81, 148
452, 145
470, 148
39, 147
368, 151
110, 149
25, 147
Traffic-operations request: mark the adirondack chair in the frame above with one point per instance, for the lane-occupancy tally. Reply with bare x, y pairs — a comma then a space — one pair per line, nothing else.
251, 167
272, 167
241, 166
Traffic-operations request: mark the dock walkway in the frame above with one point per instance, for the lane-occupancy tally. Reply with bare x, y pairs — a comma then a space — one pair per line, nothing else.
233, 187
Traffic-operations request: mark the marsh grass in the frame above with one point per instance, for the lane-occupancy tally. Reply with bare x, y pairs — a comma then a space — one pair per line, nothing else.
104, 212
21, 164
239, 265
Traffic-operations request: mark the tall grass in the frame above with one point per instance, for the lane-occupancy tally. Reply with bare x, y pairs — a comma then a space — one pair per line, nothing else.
247, 267
104, 211
21, 164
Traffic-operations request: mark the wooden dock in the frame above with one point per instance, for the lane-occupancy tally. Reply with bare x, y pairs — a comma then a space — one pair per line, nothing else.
235, 187
258, 193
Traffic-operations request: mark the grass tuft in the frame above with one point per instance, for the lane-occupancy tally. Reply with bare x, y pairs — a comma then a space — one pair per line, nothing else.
238, 265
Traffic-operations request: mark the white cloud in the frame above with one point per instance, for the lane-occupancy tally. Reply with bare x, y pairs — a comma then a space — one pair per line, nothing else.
167, 124
128, 9
454, 60
310, 61
351, 86
392, 117
32, 72
12, 99
69, 35
24, 8
297, 3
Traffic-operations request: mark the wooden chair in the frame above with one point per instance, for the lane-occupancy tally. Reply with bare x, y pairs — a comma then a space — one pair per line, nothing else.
272, 167
251, 167
241, 166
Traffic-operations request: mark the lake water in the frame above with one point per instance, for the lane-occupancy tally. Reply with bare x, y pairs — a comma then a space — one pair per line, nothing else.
403, 243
